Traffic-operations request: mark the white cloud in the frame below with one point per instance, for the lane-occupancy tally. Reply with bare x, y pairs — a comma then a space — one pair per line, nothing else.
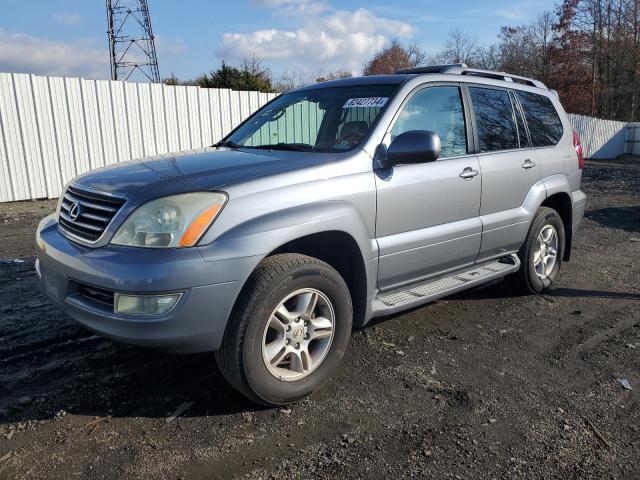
337, 39
68, 18
20, 53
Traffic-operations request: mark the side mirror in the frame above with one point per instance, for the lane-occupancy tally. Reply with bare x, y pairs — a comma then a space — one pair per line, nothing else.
414, 146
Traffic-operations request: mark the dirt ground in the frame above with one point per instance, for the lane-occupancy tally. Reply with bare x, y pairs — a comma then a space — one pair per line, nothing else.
485, 384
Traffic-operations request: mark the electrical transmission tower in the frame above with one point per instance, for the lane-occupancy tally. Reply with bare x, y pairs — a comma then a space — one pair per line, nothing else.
131, 41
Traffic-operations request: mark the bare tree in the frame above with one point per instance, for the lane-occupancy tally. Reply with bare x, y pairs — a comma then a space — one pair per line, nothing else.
488, 58
461, 47
255, 69
393, 57
289, 81
526, 49
336, 75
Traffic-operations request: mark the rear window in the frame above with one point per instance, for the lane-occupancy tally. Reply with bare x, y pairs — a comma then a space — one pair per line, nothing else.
494, 119
544, 123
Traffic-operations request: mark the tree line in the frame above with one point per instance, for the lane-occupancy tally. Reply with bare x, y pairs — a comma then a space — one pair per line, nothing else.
586, 50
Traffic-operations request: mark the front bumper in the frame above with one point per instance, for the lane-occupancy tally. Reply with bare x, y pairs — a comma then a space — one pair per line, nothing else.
196, 324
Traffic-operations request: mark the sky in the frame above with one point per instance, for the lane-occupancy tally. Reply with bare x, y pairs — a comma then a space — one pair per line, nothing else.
299, 37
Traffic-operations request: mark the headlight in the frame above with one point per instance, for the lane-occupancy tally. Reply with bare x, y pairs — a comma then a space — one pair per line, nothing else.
175, 221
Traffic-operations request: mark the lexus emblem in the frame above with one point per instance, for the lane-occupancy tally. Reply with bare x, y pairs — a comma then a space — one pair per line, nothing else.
74, 211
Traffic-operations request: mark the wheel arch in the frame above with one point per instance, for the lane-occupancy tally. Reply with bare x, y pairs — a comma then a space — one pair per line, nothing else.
333, 232
340, 250
558, 197
561, 203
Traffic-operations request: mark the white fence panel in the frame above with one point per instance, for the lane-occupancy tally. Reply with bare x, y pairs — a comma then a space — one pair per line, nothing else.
107, 122
600, 138
54, 128
66, 156
146, 119
17, 169
136, 139
633, 139
47, 132
25, 103
159, 118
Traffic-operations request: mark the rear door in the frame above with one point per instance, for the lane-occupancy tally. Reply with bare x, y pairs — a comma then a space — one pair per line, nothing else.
546, 131
509, 169
427, 218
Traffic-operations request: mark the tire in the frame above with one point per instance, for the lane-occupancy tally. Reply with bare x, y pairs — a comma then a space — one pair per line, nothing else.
243, 355
528, 279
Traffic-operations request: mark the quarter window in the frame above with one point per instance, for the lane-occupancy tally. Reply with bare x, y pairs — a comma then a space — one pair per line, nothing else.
437, 109
494, 119
544, 123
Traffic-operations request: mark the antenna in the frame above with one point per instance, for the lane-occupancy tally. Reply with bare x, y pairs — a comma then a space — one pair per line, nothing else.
131, 41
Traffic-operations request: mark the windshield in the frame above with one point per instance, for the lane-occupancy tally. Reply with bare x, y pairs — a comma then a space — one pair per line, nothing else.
322, 120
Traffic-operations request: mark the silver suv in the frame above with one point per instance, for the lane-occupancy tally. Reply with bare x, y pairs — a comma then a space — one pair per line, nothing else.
333, 204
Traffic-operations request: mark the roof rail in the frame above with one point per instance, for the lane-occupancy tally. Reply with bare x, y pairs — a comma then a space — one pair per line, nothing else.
433, 68
463, 69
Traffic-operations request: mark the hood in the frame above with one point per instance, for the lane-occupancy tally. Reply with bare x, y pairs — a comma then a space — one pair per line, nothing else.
195, 170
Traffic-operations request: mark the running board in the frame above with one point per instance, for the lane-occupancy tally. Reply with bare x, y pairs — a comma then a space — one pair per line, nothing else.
427, 291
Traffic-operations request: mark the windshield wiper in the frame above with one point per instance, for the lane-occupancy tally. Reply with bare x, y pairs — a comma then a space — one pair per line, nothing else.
227, 143
285, 146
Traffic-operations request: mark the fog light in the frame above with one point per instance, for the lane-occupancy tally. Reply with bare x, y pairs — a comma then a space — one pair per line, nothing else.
145, 305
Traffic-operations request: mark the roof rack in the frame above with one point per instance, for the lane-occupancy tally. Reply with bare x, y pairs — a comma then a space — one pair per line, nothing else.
463, 69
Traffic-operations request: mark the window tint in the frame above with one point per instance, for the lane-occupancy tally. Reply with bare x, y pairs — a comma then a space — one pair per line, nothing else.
522, 130
544, 123
494, 119
438, 109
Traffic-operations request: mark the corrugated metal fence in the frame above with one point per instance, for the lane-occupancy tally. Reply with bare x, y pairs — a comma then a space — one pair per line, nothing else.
54, 128
633, 138
600, 138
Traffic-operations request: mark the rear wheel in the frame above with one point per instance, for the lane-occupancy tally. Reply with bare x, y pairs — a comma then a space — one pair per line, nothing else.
288, 331
542, 252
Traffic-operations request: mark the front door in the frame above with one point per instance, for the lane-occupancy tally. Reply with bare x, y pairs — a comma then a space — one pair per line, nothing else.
428, 214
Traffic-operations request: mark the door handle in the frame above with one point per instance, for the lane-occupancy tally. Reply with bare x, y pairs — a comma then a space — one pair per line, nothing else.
468, 173
528, 164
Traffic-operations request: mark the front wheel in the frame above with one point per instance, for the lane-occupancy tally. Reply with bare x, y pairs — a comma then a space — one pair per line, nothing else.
542, 252
288, 331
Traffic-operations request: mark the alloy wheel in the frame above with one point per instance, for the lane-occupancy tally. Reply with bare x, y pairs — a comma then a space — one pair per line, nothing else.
298, 334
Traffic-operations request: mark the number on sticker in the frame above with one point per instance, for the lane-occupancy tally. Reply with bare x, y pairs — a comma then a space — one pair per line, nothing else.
366, 102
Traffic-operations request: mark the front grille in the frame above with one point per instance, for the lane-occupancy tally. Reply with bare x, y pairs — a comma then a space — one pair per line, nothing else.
85, 214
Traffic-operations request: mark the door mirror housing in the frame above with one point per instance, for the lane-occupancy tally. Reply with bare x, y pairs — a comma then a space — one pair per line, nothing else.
414, 146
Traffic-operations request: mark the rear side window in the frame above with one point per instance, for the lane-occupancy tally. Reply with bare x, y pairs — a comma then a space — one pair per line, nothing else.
495, 121
438, 109
544, 123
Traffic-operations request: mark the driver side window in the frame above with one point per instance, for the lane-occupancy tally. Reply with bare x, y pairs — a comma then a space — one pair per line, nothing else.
438, 109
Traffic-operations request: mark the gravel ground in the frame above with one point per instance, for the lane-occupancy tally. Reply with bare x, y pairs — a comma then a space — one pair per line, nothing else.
485, 384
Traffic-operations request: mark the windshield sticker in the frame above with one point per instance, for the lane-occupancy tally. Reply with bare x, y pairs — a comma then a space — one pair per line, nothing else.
366, 102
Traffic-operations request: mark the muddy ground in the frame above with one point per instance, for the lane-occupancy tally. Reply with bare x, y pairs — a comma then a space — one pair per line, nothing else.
482, 385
